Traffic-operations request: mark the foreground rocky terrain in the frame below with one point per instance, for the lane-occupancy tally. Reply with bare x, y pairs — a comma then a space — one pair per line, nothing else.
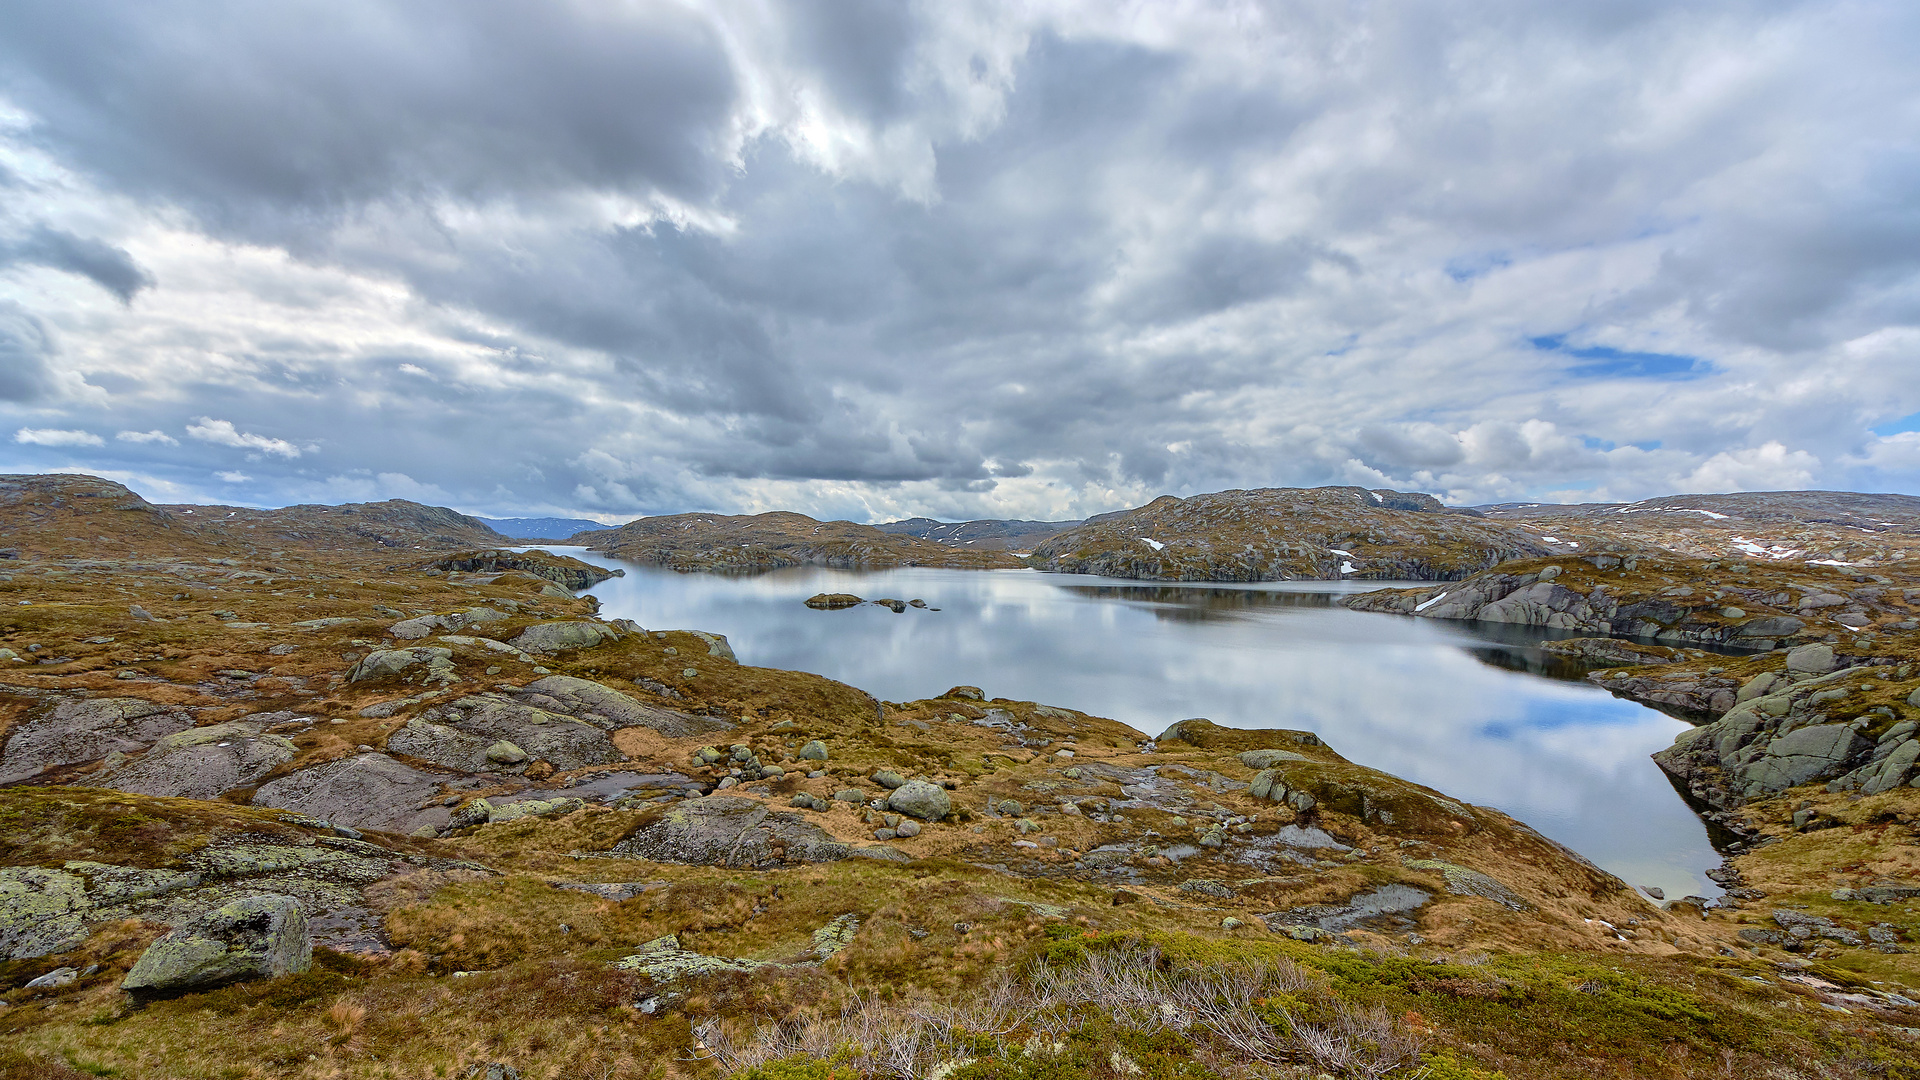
748, 544
273, 811
1279, 534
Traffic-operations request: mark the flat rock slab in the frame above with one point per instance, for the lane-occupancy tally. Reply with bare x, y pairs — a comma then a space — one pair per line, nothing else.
202, 762
367, 791
457, 735
609, 709
721, 830
1385, 902
77, 731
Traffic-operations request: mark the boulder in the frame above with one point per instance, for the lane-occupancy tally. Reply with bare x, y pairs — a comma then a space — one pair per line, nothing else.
87, 729
814, 750
391, 663
1267, 759
1811, 660
920, 799
366, 791
1799, 756
833, 601
203, 762
721, 830
889, 779
462, 735
258, 937
563, 636
609, 709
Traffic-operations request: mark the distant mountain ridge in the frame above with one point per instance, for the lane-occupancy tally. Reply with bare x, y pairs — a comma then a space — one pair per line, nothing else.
541, 528
741, 543
983, 534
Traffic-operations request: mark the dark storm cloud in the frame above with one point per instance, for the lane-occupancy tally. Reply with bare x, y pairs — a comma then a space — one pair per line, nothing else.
107, 266
266, 116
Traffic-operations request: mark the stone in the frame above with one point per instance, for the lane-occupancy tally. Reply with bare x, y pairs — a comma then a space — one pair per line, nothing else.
814, 750
833, 601
201, 763
1817, 659
55, 979
85, 729
1732, 613
553, 637
920, 799
1267, 759
257, 937
1801, 755
514, 811
907, 828
391, 663
970, 693
850, 795
492, 1070
888, 779
723, 830
366, 791
610, 709
505, 753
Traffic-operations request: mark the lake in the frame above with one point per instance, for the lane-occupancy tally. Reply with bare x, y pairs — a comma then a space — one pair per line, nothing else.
1479, 713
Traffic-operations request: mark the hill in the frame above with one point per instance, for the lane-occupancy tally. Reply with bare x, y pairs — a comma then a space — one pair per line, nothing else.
540, 528
1279, 534
770, 541
394, 524
986, 534
1843, 527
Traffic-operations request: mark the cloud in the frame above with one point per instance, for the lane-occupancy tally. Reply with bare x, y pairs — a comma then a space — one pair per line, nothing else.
148, 437
223, 433
57, 437
232, 477
107, 266
970, 260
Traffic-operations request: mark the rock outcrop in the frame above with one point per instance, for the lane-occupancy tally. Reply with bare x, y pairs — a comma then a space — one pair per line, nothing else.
259, 937
770, 541
71, 732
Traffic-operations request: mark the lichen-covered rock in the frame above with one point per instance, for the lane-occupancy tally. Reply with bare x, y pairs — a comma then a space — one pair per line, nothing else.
259, 937
814, 750
567, 636
514, 811
366, 791
202, 762
87, 729
920, 799
391, 663
1267, 759
721, 830
664, 961
467, 734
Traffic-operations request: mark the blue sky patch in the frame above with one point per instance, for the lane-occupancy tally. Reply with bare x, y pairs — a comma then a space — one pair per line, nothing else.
1898, 427
1607, 362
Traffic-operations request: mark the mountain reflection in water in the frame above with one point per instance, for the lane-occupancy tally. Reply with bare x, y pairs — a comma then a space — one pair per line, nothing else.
1463, 708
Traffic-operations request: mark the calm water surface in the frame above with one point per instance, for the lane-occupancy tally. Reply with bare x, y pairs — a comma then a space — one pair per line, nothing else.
1473, 716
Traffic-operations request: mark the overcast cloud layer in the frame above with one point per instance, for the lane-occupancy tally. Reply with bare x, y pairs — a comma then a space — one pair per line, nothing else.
869, 259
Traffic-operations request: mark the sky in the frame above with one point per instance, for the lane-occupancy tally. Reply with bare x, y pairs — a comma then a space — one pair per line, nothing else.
874, 258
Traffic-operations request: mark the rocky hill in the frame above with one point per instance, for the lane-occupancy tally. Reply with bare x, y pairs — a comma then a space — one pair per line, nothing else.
719, 542
63, 514
1279, 534
541, 528
1842, 527
348, 817
982, 535
395, 523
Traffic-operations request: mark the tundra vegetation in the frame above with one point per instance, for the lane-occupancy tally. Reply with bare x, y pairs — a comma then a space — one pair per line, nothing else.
286, 797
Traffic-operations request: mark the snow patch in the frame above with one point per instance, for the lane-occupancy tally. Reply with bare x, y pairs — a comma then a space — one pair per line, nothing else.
1429, 602
1347, 567
1337, 551
1154, 544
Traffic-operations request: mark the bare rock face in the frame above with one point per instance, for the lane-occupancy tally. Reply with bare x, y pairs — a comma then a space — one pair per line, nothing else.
609, 709
461, 734
259, 937
563, 636
202, 762
367, 791
76, 731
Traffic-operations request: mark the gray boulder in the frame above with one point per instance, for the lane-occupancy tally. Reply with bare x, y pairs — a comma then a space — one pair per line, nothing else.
563, 636
1267, 759
889, 779
1811, 660
1800, 756
367, 791
814, 750
721, 830
609, 709
75, 731
920, 799
258, 937
202, 762
391, 663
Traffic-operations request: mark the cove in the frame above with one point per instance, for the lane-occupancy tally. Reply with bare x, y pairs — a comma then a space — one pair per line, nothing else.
1473, 712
